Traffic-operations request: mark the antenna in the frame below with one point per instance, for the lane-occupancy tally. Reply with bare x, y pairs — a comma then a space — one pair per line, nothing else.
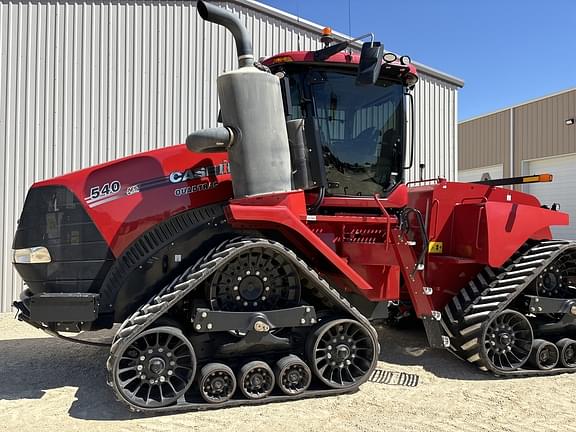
349, 20
350, 25
298, 19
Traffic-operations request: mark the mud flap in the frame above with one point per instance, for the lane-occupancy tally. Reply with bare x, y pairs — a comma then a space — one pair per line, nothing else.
435, 333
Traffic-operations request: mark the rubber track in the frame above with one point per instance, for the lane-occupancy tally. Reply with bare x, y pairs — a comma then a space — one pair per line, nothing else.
489, 293
191, 279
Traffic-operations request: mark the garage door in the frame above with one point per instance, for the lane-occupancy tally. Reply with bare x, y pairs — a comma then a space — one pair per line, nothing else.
562, 190
482, 173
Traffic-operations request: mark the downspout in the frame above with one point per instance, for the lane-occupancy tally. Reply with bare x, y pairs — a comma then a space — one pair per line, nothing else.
511, 145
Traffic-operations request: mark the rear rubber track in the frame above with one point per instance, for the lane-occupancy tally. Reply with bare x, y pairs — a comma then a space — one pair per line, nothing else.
192, 279
491, 292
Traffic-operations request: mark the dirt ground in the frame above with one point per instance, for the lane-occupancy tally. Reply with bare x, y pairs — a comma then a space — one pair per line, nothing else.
50, 385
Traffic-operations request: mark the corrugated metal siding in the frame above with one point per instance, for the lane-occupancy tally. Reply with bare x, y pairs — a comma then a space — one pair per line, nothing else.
86, 82
485, 141
435, 130
540, 131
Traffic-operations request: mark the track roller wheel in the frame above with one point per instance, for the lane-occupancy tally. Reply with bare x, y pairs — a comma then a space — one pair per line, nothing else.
342, 353
545, 355
506, 341
292, 375
256, 380
216, 383
156, 369
567, 348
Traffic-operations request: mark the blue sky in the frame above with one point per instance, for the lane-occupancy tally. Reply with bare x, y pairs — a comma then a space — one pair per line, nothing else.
506, 51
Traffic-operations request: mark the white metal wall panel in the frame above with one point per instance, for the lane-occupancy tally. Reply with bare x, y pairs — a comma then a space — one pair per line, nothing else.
560, 191
436, 105
477, 174
86, 82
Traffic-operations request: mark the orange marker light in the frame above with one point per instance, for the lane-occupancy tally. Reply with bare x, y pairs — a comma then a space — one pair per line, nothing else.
546, 177
282, 59
541, 178
326, 31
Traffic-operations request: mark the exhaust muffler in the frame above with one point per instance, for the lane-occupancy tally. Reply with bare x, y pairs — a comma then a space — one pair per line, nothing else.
254, 132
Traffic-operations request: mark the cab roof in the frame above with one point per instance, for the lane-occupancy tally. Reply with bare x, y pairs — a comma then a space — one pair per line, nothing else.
394, 68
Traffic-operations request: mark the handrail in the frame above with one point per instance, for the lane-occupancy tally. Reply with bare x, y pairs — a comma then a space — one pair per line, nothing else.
437, 180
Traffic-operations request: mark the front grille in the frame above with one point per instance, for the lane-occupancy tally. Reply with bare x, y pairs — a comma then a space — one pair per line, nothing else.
54, 218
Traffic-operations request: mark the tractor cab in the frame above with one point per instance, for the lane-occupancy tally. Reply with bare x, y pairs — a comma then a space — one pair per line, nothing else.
350, 112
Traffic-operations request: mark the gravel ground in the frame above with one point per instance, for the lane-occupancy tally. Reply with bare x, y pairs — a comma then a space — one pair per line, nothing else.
50, 385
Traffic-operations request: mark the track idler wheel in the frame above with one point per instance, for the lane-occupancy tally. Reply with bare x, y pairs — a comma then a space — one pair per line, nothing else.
216, 383
506, 341
544, 355
256, 380
292, 375
156, 369
342, 353
567, 348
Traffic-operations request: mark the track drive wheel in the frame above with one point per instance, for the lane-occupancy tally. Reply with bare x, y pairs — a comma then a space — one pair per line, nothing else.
156, 369
292, 375
216, 382
342, 353
256, 380
506, 341
256, 280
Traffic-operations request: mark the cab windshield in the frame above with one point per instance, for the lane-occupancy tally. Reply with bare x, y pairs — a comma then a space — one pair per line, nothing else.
360, 129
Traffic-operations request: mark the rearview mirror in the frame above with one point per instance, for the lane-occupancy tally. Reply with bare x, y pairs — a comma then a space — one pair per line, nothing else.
370, 63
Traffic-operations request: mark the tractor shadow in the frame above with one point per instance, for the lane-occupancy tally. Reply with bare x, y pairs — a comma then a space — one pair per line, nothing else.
407, 346
31, 367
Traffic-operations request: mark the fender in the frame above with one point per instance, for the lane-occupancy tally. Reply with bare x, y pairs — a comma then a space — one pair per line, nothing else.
510, 225
157, 256
285, 212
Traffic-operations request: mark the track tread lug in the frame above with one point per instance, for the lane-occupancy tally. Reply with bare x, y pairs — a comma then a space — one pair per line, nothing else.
471, 329
457, 304
470, 345
475, 317
485, 306
448, 314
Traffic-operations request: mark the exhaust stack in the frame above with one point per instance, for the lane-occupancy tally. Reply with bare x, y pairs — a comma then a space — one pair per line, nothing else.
220, 16
254, 132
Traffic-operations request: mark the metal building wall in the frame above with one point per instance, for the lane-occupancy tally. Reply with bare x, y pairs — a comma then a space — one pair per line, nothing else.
538, 131
86, 82
436, 129
485, 141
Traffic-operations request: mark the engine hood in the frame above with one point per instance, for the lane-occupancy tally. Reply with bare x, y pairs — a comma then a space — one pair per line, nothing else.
126, 197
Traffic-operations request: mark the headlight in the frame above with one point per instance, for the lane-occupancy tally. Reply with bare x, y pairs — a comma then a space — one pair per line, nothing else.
405, 60
389, 57
33, 255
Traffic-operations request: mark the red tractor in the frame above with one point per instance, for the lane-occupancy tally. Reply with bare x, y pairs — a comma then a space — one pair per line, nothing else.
247, 265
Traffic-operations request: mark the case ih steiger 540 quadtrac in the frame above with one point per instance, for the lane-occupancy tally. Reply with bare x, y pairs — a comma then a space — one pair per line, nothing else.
247, 265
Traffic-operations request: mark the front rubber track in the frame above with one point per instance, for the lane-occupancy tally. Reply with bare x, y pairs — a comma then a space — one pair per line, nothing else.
190, 280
